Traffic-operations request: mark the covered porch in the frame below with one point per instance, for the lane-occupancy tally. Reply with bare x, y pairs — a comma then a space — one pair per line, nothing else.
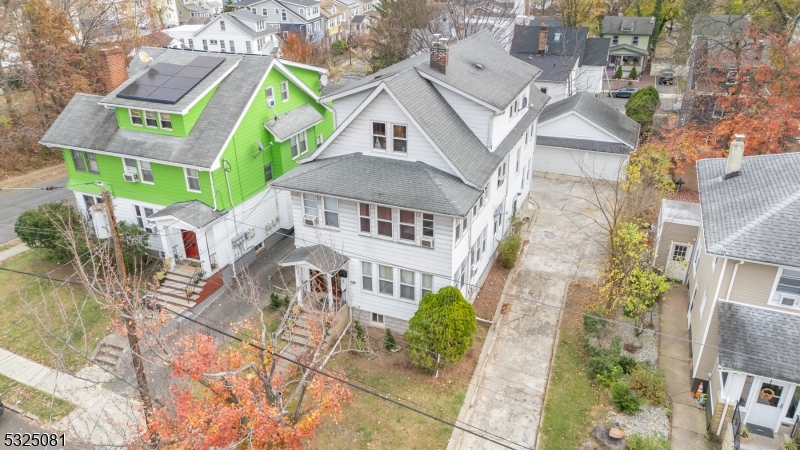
320, 276
627, 57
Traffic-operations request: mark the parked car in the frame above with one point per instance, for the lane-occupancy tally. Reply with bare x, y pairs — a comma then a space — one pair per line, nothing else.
666, 78
623, 92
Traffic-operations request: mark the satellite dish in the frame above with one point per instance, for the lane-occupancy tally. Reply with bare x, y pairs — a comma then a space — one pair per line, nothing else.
323, 80
144, 57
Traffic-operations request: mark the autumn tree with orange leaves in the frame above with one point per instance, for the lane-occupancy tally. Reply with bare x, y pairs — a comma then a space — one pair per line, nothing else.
749, 87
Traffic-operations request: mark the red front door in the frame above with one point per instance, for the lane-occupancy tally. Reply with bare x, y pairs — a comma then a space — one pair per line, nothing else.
190, 244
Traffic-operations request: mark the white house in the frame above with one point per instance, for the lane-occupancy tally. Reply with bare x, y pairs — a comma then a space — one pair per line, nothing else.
301, 17
430, 159
583, 136
235, 32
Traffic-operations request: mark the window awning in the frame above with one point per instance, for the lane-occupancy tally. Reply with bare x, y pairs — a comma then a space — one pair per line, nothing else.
289, 124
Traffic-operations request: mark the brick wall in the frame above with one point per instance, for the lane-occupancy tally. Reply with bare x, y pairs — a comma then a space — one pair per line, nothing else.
718, 408
114, 67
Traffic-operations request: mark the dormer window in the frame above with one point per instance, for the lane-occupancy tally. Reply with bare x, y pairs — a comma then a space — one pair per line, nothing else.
136, 117
262, 24
315, 10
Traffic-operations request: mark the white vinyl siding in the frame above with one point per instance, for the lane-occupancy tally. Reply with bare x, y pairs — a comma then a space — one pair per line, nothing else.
477, 117
575, 127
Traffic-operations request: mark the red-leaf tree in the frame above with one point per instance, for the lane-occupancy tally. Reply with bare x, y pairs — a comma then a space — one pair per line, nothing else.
233, 395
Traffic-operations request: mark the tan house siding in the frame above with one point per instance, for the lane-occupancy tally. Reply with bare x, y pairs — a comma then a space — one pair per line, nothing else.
706, 280
673, 232
753, 285
709, 355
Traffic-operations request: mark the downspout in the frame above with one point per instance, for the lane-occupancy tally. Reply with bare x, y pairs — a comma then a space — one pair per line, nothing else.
233, 210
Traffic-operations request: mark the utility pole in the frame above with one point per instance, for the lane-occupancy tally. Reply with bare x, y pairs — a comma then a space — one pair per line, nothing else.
129, 311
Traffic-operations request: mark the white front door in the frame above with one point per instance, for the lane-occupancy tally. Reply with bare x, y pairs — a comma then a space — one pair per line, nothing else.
768, 404
678, 260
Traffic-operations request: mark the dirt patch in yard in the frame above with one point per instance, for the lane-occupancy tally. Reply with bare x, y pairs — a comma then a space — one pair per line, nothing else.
485, 303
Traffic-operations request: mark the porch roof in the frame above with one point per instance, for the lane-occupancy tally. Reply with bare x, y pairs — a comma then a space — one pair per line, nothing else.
289, 124
625, 49
320, 256
759, 341
194, 213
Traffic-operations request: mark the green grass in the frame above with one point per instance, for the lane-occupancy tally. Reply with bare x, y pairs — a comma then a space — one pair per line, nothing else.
570, 395
23, 298
33, 400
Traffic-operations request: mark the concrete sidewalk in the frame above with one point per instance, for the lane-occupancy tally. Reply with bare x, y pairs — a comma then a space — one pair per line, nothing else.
688, 422
100, 418
507, 391
16, 250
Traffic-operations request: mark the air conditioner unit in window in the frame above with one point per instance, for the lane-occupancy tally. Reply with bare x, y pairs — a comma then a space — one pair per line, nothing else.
131, 177
311, 221
152, 229
427, 242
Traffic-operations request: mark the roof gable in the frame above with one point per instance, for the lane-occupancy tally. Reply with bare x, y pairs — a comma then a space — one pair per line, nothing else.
628, 25
596, 112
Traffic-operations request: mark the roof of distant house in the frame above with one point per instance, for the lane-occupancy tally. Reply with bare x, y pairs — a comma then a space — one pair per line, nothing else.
566, 46
720, 25
753, 215
597, 112
637, 25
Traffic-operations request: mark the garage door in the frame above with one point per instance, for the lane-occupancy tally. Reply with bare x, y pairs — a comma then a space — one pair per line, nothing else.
578, 163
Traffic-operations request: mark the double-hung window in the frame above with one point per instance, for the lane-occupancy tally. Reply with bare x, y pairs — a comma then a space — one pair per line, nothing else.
787, 291
136, 117
384, 221
77, 161
191, 42
269, 93
142, 214
205, 45
501, 174
427, 284
131, 166
166, 121
84, 161
615, 40
284, 91
283, 15
479, 204
268, 176
222, 46
461, 274
427, 225
379, 135
248, 46
147, 172
233, 46
698, 250
399, 139
407, 284
330, 206
636, 40
457, 231
150, 119
386, 280
221, 25
364, 218
264, 11
192, 179
298, 144
519, 157
310, 205
407, 228
366, 276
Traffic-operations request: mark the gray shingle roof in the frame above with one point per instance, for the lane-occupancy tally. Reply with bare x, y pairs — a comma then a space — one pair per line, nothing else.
245, 14
583, 144
597, 112
176, 57
244, 3
759, 341
193, 212
640, 25
287, 125
755, 215
719, 25
400, 183
571, 40
85, 124
136, 65
626, 48
557, 62
320, 256
596, 51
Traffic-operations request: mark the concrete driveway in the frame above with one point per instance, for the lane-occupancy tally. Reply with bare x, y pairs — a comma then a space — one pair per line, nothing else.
512, 373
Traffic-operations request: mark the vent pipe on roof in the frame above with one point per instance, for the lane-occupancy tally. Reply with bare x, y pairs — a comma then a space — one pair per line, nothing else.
735, 154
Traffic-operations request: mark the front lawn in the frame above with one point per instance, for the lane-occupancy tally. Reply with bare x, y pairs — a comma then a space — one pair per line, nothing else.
34, 401
370, 422
64, 310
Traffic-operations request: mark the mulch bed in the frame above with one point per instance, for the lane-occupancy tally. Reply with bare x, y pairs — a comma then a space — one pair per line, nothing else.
485, 303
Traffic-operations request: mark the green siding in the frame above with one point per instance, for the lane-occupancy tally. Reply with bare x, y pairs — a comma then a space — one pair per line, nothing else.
169, 182
644, 41
181, 125
309, 77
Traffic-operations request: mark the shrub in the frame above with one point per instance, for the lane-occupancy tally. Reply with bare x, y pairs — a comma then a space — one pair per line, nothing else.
618, 73
628, 364
339, 46
360, 335
633, 75
642, 106
275, 301
37, 229
442, 327
654, 441
286, 300
650, 384
593, 322
388, 342
624, 399
508, 251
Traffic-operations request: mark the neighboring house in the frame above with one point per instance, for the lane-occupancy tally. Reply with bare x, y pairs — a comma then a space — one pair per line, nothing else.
300, 17
583, 136
743, 269
334, 17
197, 9
430, 159
167, 12
570, 60
239, 31
630, 42
351, 9
192, 161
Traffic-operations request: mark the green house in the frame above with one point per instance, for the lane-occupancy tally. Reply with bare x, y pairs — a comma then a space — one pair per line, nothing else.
630, 41
189, 145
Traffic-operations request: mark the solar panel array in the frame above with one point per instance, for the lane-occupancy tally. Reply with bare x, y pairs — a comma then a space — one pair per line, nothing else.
167, 83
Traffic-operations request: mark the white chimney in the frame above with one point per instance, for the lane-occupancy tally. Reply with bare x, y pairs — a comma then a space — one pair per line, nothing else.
735, 155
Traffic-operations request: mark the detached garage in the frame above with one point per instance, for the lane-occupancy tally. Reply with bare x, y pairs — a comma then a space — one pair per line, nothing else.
582, 136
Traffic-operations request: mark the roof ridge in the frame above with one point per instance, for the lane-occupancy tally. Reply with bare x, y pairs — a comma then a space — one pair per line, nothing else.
780, 206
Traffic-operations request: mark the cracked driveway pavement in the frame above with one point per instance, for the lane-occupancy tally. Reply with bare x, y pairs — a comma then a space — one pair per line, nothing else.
507, 393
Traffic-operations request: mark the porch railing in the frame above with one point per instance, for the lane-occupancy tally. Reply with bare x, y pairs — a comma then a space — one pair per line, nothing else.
736, 424
795, 434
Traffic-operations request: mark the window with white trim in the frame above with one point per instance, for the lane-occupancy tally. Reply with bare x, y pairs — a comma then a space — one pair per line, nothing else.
302, 11
714, 265
142, 214
284, 91
77, 160
377, 318
147, 172
233, 46
457, 232
427, 225
379, 135
136, 117
269, 93
407, 285
150, 119
399, 139
787, 289
221, 25
407, 225
248, 46
319, 140
191, 41
165, 120
192, 179
498, 217
298, 144
366, 276
386, 280
384, 218
205, 45
519, 158
264, 11
310, 205
364, 218
427, 284
501, 174
277, 11
130, 166
696, 259
330, 207
460, 276
315, 10
283, 15
479, 204
268, 175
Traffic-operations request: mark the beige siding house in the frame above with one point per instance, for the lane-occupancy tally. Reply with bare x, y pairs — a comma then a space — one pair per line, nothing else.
743, 310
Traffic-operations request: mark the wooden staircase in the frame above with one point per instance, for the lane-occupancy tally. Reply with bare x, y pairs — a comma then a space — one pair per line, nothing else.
183, 288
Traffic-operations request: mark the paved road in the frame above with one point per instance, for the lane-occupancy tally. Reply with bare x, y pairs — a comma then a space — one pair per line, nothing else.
11, 422
512, 373
15, 202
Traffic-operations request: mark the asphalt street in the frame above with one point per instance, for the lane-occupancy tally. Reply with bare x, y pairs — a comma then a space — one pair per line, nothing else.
14, 202
11, 422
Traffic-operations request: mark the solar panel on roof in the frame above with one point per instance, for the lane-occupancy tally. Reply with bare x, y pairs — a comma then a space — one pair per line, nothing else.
168, 83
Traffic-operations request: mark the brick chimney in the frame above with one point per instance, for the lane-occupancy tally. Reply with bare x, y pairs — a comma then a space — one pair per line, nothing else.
439, 54
542, 47
735, 155
113, 67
